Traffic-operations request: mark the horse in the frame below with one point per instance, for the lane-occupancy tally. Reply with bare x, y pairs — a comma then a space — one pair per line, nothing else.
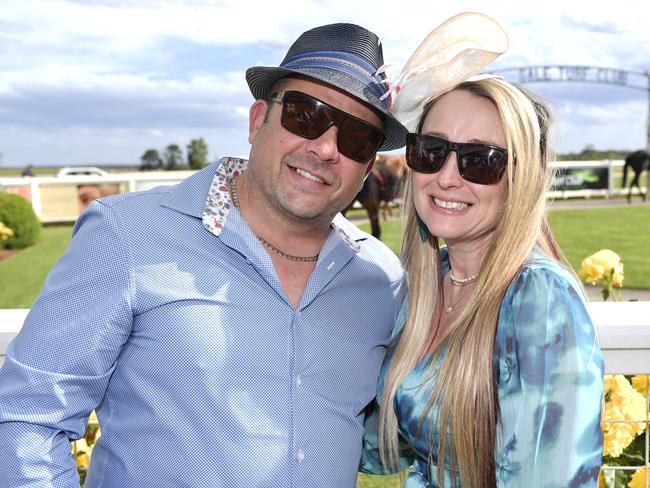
639, 162
392, 169
381, 185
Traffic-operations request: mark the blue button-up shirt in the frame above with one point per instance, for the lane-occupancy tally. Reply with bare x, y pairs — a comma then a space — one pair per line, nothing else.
167, 316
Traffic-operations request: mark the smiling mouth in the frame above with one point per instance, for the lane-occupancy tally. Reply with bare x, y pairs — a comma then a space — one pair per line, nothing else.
308, 175
450, 205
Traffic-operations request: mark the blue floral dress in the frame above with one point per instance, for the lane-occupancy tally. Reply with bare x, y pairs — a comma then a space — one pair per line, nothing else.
550, 372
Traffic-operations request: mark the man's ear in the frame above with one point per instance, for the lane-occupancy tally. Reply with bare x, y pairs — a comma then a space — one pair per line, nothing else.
256, 118
371, 165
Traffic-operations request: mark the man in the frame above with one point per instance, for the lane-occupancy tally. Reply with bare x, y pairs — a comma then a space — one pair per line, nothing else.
229, 330
27, 171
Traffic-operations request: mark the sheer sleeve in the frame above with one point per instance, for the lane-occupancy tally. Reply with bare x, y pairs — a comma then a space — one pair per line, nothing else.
550, 373
370, 460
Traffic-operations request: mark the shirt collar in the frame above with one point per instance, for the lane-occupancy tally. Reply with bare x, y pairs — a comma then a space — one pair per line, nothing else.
218, 204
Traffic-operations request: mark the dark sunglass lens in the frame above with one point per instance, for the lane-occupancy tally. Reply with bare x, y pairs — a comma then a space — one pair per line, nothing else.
308, 117
425, 154
358, 140
482, 164
304, 116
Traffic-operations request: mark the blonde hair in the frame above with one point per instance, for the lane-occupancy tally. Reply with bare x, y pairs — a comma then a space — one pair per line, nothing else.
468, 403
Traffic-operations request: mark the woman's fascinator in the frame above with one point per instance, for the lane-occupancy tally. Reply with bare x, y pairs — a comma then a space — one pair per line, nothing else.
456, 50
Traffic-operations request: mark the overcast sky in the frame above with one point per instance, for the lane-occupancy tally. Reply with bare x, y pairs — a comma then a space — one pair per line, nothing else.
101, 81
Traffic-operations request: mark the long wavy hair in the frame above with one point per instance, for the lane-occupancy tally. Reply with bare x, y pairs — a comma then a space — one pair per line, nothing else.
465, 392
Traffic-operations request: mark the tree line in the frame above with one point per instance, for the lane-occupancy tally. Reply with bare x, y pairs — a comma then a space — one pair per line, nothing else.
197, 156
172, 157
590, 153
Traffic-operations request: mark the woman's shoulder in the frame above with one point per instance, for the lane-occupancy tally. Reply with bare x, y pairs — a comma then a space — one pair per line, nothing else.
542, 276
545, 300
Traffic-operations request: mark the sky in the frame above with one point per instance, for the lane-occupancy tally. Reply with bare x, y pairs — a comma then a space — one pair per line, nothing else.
98, 82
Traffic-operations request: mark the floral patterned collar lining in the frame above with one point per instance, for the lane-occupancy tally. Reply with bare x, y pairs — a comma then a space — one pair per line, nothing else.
218, 203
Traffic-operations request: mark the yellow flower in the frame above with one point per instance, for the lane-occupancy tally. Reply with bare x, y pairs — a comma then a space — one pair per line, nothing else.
83, 460
605, 268
606, 258
5, 232
617, 277
639, 479
640, 383
93, 418
82, 452
590, 271
624, 404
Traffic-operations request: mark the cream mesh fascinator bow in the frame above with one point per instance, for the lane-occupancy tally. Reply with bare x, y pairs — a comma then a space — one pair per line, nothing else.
456, 50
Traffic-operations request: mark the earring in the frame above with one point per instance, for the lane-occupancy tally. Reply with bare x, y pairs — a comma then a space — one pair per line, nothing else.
423, 230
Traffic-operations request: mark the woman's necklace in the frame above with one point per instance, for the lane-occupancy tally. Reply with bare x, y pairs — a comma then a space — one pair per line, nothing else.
450, 308
462, 281
232, 187
455, 282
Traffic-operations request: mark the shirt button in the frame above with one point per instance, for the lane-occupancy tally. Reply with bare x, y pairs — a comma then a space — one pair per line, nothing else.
298, 380
300, 456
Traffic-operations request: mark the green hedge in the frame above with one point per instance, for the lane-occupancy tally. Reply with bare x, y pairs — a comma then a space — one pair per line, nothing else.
17, 214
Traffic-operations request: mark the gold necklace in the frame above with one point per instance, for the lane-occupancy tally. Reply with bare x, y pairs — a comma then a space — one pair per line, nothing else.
450, 309
232, 187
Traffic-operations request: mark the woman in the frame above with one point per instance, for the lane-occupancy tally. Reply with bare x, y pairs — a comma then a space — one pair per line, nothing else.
494, 375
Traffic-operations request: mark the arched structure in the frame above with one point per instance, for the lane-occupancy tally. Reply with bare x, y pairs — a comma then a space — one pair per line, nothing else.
584, 74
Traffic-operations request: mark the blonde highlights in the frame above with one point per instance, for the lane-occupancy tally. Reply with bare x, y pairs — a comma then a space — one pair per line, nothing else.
465, 393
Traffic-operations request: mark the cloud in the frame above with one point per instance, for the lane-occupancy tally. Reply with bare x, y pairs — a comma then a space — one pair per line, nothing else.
86, 77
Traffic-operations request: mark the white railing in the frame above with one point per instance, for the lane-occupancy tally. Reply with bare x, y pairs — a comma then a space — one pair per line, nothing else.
61, 199
623, 330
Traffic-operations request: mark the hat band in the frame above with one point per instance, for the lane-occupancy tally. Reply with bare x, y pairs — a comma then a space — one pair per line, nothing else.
348, 63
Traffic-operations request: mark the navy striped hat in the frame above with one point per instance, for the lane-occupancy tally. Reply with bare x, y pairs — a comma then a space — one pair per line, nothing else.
343, 55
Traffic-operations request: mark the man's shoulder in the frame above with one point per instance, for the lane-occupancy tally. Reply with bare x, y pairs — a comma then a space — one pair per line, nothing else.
136, 198
182, 194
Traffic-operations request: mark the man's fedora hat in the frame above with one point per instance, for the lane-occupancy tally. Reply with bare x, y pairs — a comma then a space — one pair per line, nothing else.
343, 55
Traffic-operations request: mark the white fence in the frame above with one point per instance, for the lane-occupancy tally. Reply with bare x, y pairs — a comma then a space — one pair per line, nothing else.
61, 199
623, 330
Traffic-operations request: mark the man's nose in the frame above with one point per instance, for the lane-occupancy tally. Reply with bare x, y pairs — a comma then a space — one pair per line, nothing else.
325, 146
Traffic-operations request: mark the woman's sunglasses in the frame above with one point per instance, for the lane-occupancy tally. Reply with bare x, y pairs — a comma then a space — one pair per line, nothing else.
308, 117
477, 163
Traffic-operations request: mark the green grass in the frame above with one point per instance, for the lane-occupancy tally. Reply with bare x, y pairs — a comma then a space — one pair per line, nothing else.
22, 275
41, 171
624, 230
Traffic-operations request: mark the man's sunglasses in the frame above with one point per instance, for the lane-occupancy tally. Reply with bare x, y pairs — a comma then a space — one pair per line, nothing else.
308, 117
477, 163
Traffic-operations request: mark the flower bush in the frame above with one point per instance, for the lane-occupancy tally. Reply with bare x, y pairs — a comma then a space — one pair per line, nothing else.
625, 419
639, 479
17, 214
640, 383
603, 268
622, 403
83, 448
